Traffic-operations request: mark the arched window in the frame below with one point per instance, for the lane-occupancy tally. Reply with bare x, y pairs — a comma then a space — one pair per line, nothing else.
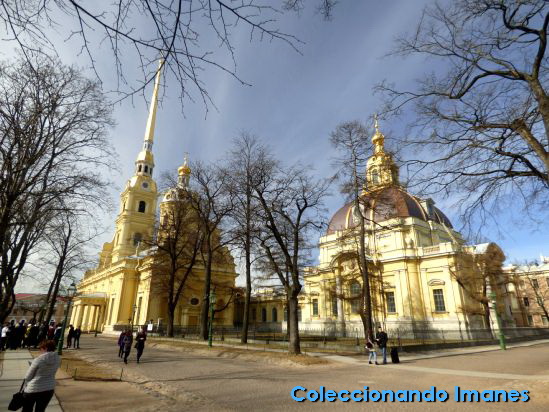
263, 315
146, 169
375, 177
274, 315
137, 238
139, 168
142, 206
151, 171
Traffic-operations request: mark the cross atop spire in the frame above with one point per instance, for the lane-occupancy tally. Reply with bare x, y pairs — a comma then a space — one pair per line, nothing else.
378, 138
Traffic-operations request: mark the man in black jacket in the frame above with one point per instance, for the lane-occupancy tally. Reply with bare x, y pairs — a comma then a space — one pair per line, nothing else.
381, 339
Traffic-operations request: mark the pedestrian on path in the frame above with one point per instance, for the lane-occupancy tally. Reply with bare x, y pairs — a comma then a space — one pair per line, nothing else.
57, 334
121, 343
40, 379
127, 341
77, 333
371, 348
140, 344
381, 339
4, 336
70, 336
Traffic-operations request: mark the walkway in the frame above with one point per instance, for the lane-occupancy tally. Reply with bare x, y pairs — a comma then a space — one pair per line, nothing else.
13, 367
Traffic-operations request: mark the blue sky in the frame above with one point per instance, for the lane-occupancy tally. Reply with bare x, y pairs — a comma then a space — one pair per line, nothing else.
295, 101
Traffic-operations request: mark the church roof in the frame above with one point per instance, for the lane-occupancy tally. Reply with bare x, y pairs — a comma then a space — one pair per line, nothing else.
387, 203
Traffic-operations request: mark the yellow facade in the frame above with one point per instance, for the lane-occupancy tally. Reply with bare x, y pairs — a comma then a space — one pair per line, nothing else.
414, 255
122, 289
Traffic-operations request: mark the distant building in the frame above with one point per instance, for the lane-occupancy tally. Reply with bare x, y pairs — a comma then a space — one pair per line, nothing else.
29, 305
532, 291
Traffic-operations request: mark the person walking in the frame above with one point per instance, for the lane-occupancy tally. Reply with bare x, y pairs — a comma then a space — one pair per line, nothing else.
127, 341
140, 344
70, 335
57, 333
371, 349
121, 343
381, 339
4, 336
76, 337
42, 333
39, 382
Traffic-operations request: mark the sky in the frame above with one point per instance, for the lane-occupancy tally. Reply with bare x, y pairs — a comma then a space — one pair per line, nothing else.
295, 100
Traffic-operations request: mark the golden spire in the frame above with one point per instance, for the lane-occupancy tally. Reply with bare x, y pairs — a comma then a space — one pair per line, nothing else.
151, 121
184, 173
377, 138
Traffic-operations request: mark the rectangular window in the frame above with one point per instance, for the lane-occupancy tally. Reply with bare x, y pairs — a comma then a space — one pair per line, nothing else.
390, 299
438, 296
285, 314
254, 314
545, 320
315, 307
526, 301
334, 305
535, 283
299, 314
530, 320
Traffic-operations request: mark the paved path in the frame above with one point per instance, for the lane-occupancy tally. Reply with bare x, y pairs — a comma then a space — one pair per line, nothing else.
13, 368
209, 381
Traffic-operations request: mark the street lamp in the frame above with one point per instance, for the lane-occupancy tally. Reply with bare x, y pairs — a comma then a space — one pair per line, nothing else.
71, 292
212, 306
501, 336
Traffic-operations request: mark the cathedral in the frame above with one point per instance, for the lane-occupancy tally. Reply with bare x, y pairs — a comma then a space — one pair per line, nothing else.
123, 288
423, 276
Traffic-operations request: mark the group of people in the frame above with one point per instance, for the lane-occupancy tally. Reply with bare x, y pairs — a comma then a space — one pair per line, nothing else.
380, 340
125, 341
30, 335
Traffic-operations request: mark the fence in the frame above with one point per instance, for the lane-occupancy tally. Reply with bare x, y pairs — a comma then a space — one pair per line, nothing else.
402, 337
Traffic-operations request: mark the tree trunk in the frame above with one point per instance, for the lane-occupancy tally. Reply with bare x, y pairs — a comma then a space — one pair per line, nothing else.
171, 316
294, 346
247, 298
487, 322
366, 299
53, 298
204, 314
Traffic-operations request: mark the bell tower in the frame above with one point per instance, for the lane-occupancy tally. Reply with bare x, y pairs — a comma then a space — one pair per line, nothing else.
136, 218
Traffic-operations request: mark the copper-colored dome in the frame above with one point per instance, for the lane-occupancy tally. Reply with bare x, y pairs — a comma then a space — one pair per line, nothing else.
388, 203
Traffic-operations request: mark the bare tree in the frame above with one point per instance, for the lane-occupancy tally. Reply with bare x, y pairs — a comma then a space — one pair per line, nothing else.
212, 205
53, 123
482, 128
242, 170
191, 35
177, 245
478, 275
292, 207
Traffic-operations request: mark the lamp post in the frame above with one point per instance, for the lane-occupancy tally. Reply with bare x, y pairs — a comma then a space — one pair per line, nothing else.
501, 336
212, 305
134, 307
71, 292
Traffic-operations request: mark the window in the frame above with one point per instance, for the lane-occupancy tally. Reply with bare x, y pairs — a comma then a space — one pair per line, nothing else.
146, 169
438, 296
137, 238
142, 206
254, 314
263, 315
151, 171
195, 301
535, 283
299, 314
526, 301
315, 307
274, 315
334, 305
285, 314
544, 320
375, 177
390, 299
139, 168
355, 295
530, 320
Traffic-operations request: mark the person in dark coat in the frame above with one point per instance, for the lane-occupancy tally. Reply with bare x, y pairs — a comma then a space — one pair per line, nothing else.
76, 337
121, 343
42, 333
70, 335
381, 339
21, 330
51, 331
140, 344
57, 334
127, 341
